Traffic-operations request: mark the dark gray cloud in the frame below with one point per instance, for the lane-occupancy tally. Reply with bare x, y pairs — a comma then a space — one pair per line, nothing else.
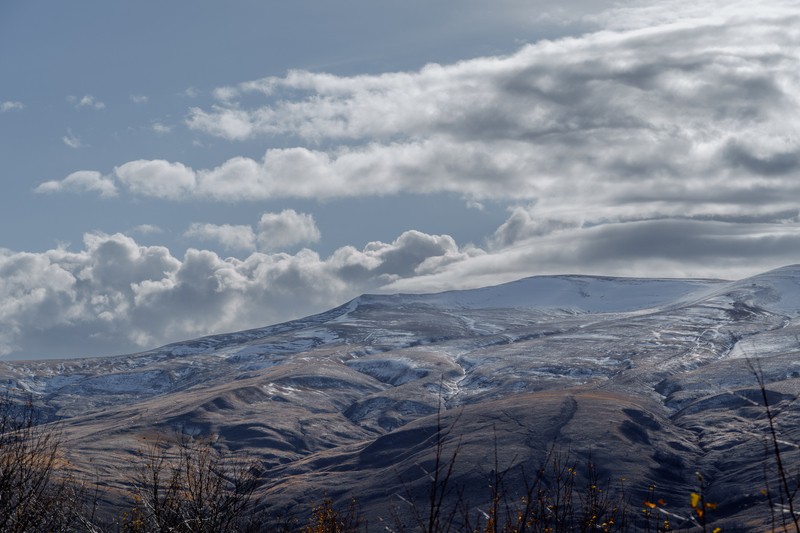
686, 241
646, 248
773, 164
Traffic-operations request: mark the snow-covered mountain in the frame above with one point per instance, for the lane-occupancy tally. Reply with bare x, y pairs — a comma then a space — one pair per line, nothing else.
649, 376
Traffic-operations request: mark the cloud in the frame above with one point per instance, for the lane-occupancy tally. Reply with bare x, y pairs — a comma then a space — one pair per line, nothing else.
156, 178
275, 231
647, 13
146, 229
86, 101
81, 181
630, 81
639, 248
123, 296
161, 128
229, 236
287, 228
225, 93
139, 98
72, 140
227, 122
692, 113
11, 105
523, 223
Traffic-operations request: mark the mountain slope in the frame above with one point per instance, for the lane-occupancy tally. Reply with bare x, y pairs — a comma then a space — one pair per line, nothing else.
650, 377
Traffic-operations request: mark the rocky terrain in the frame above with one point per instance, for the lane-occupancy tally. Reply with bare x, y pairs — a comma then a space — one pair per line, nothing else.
651, 378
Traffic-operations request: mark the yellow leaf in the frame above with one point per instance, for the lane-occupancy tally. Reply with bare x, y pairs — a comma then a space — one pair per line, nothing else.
695, 500
651, 505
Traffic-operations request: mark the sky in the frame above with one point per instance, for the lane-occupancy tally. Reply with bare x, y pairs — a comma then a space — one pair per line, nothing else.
176, 169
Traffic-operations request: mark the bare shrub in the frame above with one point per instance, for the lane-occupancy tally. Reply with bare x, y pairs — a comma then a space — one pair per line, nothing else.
191, 487
36, 491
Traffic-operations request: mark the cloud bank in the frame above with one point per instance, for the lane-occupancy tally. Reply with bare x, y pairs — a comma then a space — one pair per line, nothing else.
694, 116
123, 296
116, 295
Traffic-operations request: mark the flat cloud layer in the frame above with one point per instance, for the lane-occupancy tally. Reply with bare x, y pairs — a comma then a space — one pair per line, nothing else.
667, 144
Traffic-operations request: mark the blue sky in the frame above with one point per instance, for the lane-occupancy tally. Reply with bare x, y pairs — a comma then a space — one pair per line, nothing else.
174, 169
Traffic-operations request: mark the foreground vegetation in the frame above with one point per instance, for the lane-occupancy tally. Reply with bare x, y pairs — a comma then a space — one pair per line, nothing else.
186, 485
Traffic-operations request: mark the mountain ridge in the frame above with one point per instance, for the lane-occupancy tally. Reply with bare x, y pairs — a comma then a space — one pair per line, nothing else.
621, 368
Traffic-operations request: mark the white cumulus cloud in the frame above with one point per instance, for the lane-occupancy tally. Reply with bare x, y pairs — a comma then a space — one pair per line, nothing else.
287, 228
231, 237
121, 295
81, 181
274, 231
157, 178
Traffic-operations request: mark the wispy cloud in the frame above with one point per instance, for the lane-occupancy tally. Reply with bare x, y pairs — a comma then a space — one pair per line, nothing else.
11, 105
86, 101
226, 93
139, 98
72, 140
161, 128
146, 229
